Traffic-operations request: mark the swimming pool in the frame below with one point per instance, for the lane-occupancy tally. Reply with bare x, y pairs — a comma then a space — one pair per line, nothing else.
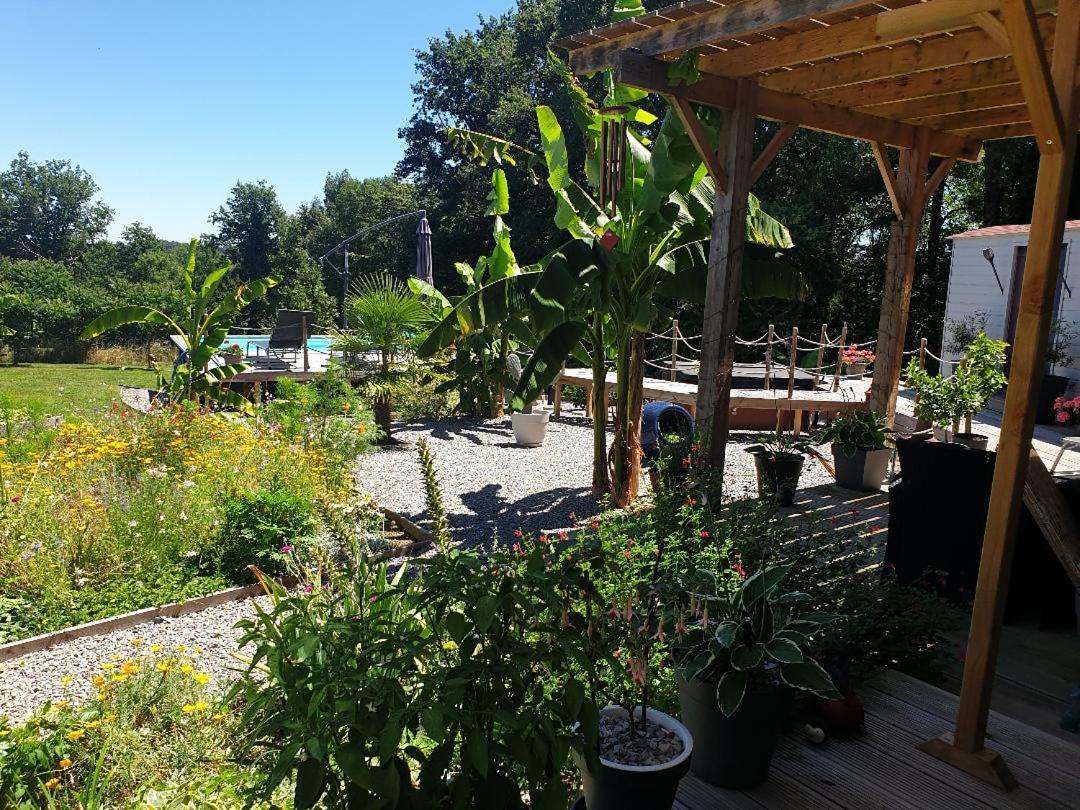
256, 344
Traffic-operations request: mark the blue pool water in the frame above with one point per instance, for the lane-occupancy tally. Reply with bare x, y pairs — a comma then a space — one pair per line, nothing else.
250, 344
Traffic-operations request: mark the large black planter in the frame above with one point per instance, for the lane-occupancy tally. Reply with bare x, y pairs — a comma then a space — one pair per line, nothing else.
733, 752
637, 787
1053, 386
777, 473
864, 470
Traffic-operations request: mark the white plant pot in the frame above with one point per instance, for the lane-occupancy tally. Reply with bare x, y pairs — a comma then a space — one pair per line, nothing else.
530, 429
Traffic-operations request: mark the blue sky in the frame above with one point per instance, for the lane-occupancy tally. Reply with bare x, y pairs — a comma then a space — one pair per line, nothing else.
167, 104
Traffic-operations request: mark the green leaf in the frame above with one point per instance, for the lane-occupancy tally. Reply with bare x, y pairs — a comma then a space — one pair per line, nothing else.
573, 698
476, 752
310, 783
546, 362
684, 70
485, 612
499, 196
352, 759
122, 316
747, 657
810, 677
784, 651
627, 9
725, 633
730, 691
551, 135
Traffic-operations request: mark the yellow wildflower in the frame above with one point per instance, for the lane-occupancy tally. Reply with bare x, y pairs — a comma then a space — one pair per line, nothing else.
187, 669
52, 784
4, 732
66, 680
136, 641
200, 677
64, 764
75, 734
129, 668
59, 704
109, 718
163, 666
120, 678
155, 648
98, 681
219, 716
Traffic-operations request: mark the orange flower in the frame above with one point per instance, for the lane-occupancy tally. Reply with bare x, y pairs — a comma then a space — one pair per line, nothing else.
64, 764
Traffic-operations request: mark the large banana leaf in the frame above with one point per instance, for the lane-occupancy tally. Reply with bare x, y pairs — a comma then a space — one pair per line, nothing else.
546, 361
488, 305
122, 316
765, 274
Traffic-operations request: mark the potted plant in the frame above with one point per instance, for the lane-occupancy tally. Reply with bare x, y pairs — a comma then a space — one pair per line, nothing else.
859, 449
636, 755
530, 428
233, 354
737, 662
1067, 411
1058, 353
855, 360
778, 462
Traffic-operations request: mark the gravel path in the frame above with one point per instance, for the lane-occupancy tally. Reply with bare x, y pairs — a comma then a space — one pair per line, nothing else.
28, 682
492, 487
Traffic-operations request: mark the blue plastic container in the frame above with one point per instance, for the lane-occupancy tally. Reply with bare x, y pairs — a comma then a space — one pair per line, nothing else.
660, 419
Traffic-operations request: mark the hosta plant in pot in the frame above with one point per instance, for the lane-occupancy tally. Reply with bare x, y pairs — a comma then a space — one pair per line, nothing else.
860, 449
739, 656
637, 754
778, 462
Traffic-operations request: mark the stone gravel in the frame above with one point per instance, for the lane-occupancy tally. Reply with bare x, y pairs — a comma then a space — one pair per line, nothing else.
28, 682
491, 487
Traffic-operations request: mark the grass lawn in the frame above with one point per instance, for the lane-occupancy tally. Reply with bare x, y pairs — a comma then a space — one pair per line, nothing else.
68, 389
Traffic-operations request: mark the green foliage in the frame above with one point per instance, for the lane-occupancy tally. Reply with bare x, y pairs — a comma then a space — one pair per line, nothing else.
945, 400
440, 526
248, 226
265, 528
859, 430
781, 444
202, 327
48, 211
758, 640
1063, 335
156, 719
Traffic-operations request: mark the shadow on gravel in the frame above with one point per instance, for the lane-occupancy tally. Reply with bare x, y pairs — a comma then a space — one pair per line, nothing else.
491, 515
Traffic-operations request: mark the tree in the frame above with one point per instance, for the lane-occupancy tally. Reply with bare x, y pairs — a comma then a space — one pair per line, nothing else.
48, 210
248, 227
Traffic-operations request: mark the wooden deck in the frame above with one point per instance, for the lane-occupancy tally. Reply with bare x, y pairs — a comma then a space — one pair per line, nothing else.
851, 395
885, 769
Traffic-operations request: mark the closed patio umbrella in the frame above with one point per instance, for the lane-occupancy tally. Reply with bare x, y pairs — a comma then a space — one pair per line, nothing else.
423, 251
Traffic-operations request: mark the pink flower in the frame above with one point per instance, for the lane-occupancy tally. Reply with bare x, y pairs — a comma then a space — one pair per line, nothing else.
16, 498
1062, 417
286, 549
738, 569
517, 533
637, 671
704, 534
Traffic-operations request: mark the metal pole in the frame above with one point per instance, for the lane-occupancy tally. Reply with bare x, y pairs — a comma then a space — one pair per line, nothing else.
345, 292
674, 347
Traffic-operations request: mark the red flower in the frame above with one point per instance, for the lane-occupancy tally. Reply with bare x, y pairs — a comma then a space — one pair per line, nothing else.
517, 533
704, 534
738, 569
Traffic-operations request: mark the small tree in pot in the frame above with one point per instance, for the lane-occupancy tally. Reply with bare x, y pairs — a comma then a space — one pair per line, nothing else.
859, 448
737, 660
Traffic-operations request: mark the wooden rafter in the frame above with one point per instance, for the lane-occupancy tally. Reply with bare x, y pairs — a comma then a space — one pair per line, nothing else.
994, 28
841, 39
902, 60
1000, 132
646, 73
700, 139
918, 85
966, 101
937, 177
976, 119
772, 148
733, 21
888, 175
1034, 71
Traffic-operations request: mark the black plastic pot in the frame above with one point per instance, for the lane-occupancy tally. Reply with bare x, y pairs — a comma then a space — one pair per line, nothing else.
777, 473
736, 751
637, 787
1053, 386
864, 470
975, 440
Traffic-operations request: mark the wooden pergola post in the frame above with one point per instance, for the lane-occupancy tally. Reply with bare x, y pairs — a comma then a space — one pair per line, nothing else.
723, 288
1051, 97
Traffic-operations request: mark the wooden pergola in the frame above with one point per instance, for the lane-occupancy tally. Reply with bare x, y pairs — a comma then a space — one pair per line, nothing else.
933, 79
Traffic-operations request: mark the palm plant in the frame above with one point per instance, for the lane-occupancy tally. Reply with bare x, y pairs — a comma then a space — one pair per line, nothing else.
386, 318
598, 295
201, 329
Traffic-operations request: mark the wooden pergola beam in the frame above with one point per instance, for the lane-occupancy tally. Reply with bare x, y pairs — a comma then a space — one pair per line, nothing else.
867, 33
700, 139
1001, 132
902, 60
994, 28
978, 99
644, 72
733, 21
1034, 72
927, 83
966, 749
975, 119
888, 175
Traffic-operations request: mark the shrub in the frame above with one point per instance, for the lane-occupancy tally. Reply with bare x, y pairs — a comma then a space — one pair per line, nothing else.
262, 528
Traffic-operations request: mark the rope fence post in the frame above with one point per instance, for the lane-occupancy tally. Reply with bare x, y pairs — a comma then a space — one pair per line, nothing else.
794, 360
768, 357
820, 364
674, 348
922, 354
839, 358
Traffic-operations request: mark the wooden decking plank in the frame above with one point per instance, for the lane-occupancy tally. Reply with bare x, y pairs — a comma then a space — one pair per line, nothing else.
903, 745
698, 795
1054, 783
1018, 700
1004, 731
835, 770
781, 791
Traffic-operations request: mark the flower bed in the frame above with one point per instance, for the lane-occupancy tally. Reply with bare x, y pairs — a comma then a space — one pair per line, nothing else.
132, 510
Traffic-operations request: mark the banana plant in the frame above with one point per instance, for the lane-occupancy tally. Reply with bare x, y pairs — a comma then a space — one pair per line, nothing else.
602, 296
201, 329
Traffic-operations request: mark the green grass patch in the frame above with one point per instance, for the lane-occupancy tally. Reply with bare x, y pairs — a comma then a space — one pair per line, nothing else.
68, 389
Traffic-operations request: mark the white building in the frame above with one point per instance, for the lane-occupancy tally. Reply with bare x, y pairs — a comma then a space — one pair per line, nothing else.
975, 291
